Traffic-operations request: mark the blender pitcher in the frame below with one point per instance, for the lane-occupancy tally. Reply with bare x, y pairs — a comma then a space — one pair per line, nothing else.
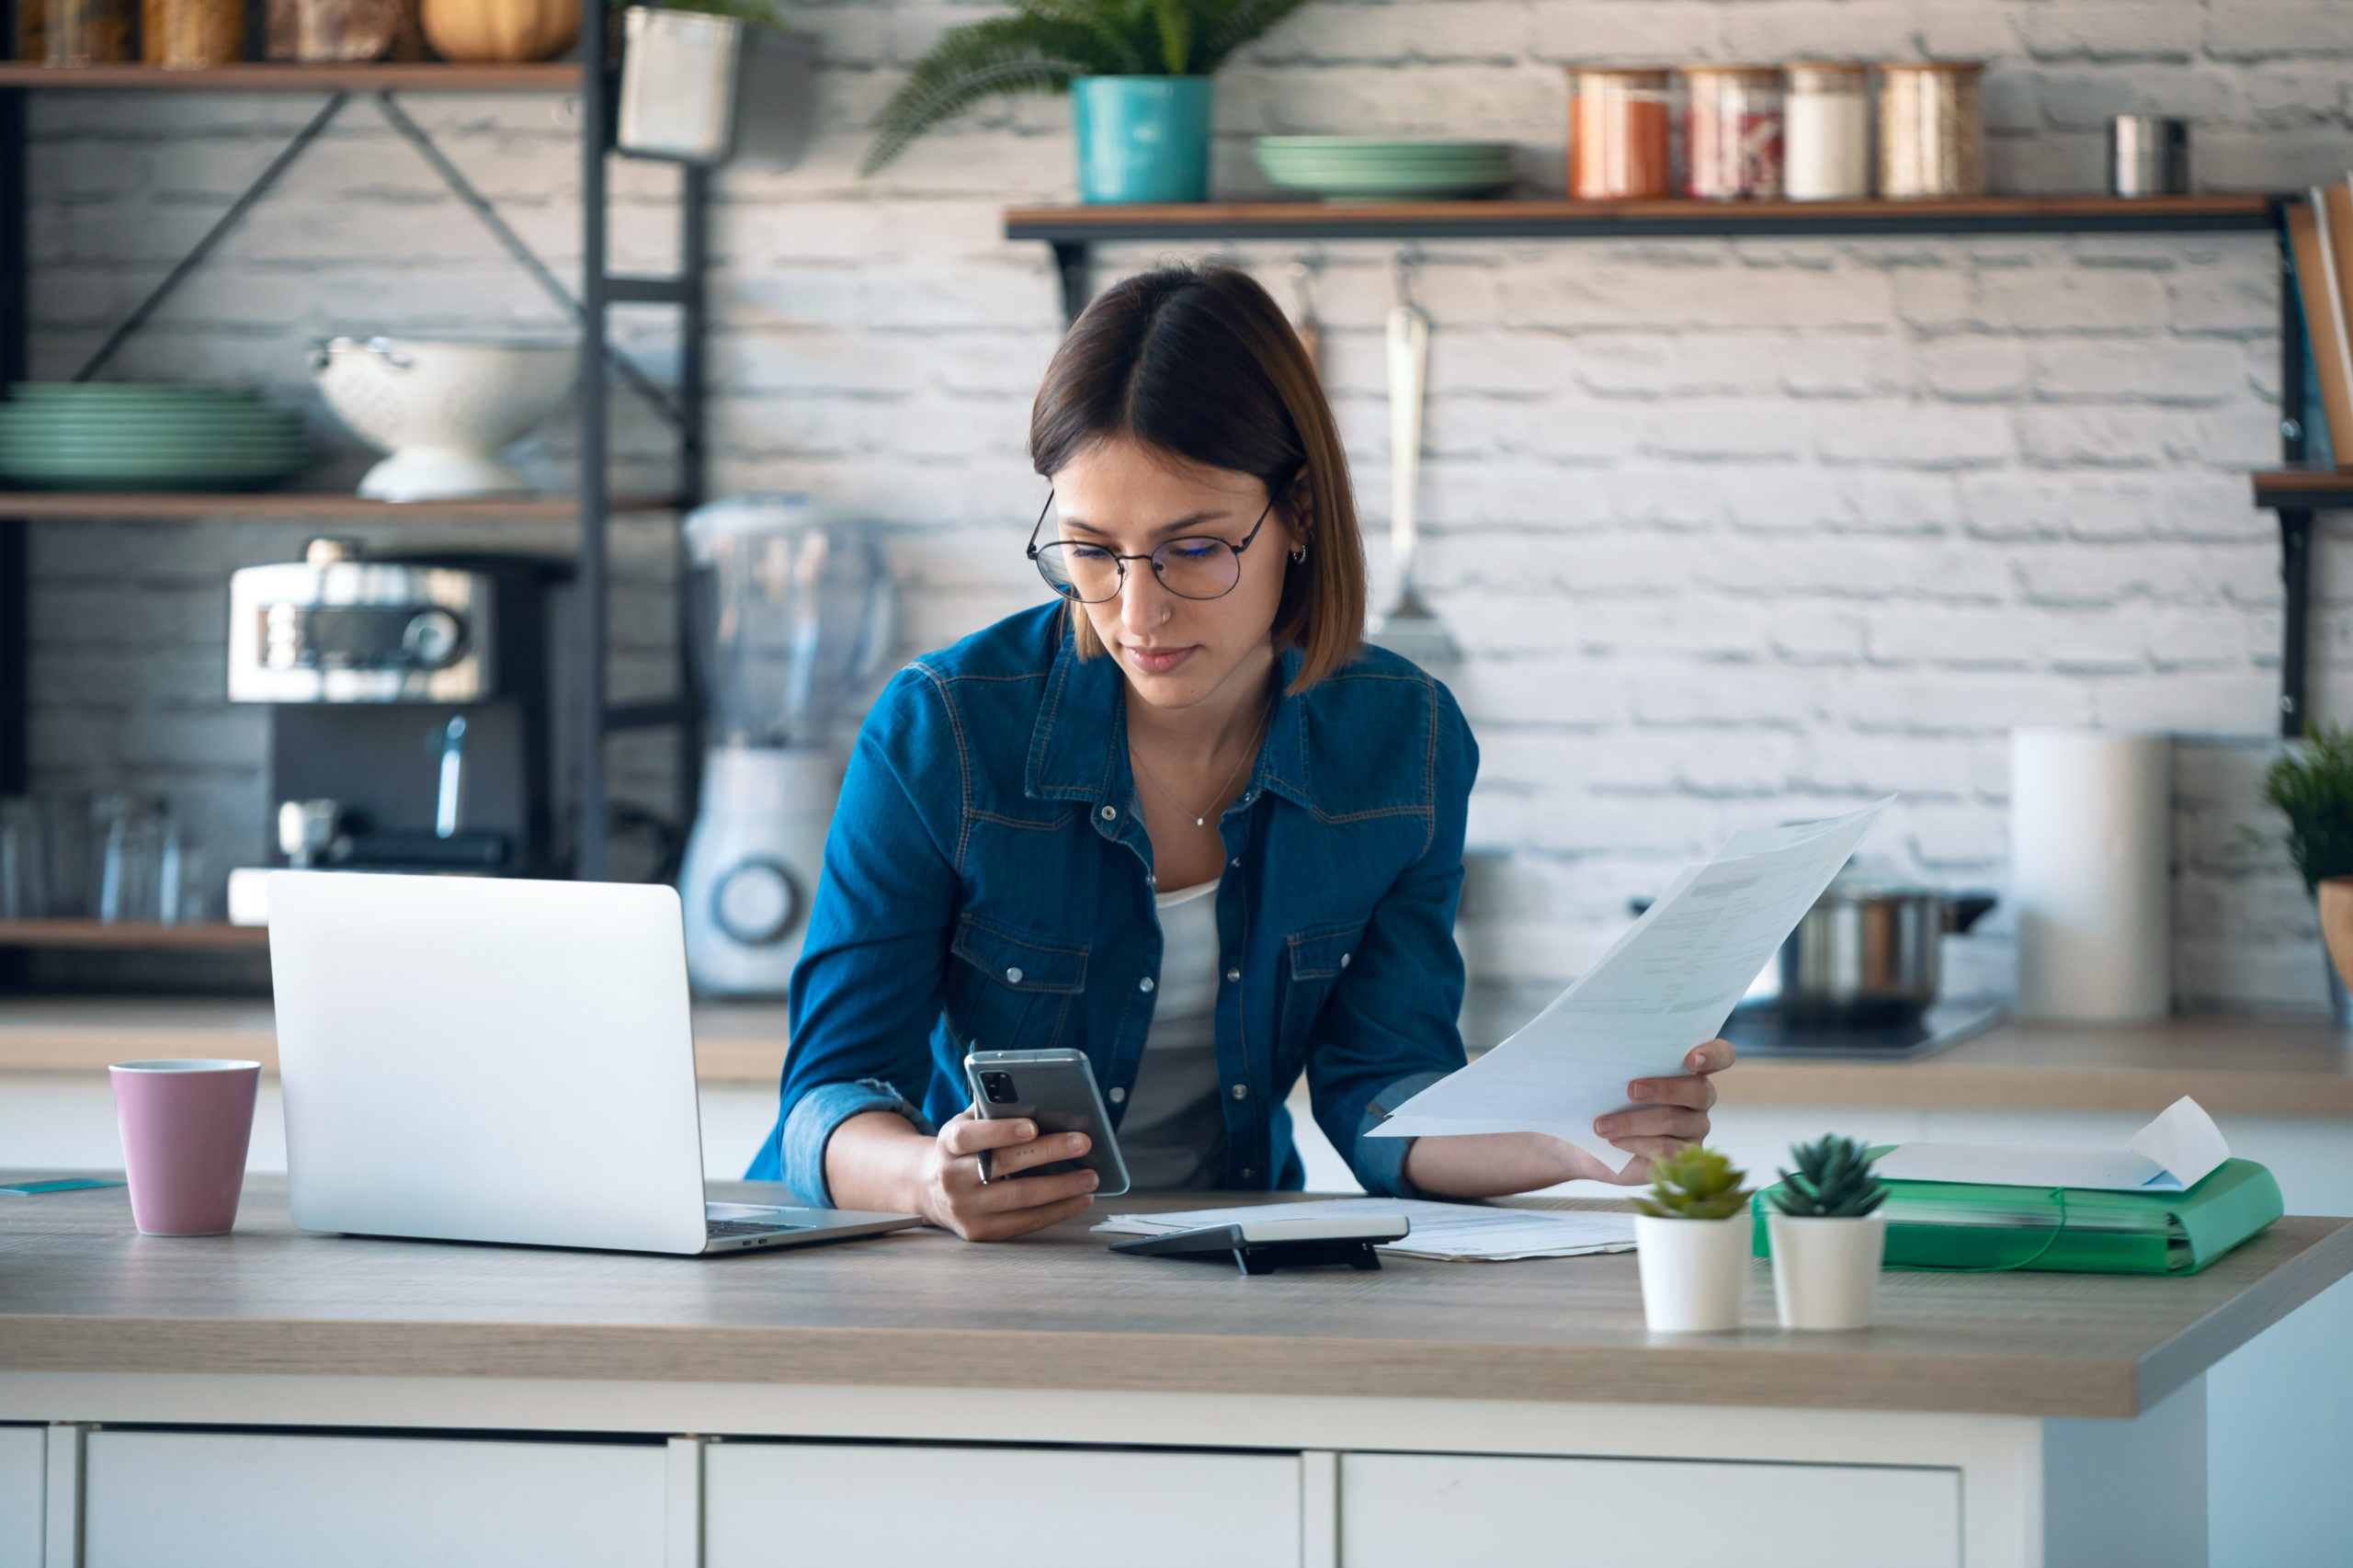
793, 612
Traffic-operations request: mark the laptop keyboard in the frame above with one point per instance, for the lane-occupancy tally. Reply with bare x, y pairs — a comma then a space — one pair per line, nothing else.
746, 1227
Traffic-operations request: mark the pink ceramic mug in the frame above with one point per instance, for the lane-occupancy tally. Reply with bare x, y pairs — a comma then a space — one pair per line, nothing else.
185, 1128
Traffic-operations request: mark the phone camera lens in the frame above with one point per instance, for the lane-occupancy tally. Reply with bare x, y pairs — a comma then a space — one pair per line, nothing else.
998, 1088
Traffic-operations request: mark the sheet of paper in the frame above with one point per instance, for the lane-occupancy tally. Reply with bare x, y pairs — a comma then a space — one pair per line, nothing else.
2184, 1140
2173, 1154
1665, 986
1447, 1232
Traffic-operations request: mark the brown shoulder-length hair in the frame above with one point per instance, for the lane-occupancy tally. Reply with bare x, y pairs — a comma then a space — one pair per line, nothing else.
1198, 361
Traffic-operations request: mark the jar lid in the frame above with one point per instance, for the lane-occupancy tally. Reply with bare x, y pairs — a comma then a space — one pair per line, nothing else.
1938, 67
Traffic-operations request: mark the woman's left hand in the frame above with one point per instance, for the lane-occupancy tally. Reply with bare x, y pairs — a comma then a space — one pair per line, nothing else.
1671, 1112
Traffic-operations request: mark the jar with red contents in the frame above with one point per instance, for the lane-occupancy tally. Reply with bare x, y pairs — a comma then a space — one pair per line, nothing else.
1732, 132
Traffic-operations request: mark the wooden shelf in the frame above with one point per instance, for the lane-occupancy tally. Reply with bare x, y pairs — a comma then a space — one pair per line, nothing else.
133, 505
136, 935
2294, 490
1602, 219
551, 76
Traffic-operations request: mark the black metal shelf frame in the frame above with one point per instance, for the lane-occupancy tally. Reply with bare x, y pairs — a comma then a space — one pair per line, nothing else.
2295, 521
683, 407
1072, 239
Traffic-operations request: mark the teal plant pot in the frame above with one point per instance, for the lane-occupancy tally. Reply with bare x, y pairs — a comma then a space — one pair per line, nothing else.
1142, 138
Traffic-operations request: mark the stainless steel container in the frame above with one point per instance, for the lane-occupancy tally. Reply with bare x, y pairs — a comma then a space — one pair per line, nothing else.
2148, 156
1870, 953
679, 77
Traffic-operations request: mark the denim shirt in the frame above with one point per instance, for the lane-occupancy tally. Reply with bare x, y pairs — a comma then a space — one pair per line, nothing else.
988, 886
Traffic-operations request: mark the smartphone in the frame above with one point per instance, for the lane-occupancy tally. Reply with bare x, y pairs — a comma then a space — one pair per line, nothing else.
1056, 1090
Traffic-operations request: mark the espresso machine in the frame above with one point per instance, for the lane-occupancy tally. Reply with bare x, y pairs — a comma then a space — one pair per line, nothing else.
410, 709
792, 617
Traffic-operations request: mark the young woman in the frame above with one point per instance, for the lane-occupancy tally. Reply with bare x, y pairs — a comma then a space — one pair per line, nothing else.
1181, 820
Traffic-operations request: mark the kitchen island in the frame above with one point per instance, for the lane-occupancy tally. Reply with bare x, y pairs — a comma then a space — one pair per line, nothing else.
272, 1397
2280, 1087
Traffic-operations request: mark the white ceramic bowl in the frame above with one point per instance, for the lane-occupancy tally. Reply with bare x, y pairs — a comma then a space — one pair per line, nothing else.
444, 409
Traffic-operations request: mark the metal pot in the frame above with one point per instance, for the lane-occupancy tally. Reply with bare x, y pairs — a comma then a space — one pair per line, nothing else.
1868, 952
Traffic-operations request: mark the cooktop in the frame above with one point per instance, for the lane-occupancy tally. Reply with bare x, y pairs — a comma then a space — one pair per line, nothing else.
1760, 1029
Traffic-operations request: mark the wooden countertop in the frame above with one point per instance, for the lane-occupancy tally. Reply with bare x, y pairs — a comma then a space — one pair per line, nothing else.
2232, 1065
736, 1043
83, 1292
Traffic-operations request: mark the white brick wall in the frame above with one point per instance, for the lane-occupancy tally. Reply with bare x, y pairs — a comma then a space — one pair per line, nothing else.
1729, 530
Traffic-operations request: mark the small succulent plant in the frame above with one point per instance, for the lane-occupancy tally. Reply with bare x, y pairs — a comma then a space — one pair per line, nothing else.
1832, 1181
1695, 1183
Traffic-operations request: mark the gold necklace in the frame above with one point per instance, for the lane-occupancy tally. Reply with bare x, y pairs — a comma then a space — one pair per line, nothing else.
1201, 817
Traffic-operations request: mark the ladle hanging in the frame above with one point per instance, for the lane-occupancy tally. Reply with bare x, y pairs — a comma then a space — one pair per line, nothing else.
1410, 629
1302, 296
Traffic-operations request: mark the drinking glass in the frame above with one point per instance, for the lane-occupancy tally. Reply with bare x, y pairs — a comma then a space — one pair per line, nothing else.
65, 852
180, 877
126, 855
23, 870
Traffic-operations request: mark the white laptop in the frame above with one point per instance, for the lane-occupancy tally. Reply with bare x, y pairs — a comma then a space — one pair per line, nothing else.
483, 1060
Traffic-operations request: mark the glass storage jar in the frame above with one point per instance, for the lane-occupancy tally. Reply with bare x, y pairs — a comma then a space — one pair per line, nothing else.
1618, 125
341, 30
187, 35
1732, 132
88, 32
31, 43
1932, 130
1827, 135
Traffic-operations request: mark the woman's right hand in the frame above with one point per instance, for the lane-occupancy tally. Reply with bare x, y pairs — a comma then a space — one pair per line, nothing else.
951, 1194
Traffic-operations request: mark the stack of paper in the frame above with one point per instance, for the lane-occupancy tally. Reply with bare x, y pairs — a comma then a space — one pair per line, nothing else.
1450, 1232
1665, 986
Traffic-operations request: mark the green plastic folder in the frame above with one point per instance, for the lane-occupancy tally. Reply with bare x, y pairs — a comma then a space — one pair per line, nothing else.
1962, 1225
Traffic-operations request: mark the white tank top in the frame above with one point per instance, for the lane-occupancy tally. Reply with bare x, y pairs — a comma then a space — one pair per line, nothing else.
1173, 1133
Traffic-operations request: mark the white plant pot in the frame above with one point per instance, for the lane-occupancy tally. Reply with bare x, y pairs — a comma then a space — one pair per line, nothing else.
1825, 1272
1693, 1271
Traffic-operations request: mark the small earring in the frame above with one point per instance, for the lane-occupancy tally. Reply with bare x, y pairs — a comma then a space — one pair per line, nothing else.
1298, 555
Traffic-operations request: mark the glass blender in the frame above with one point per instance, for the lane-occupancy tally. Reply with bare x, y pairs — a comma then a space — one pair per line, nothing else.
792, 617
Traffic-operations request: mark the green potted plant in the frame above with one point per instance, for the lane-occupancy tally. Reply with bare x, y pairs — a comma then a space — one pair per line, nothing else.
1136, 72
1691, 1242
1828, 1237
2312, 786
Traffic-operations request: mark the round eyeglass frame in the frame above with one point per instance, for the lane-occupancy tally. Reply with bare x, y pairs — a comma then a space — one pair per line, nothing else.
1159, 572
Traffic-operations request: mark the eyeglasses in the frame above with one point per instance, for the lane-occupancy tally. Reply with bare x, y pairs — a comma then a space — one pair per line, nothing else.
1193, 568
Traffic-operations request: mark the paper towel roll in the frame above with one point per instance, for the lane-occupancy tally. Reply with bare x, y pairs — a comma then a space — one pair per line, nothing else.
2091, 874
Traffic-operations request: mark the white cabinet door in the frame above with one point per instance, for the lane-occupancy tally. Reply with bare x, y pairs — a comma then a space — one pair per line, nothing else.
23, 1467
197, 1500
1409, 1510
819, 1505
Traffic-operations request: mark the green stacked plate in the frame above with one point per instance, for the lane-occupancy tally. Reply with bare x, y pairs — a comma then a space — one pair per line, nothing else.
127, 435
1364, 168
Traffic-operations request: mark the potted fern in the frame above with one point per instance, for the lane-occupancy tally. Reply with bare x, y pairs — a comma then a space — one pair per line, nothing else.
2312, 788
1691, 1242
1828, 1237
1136, 72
